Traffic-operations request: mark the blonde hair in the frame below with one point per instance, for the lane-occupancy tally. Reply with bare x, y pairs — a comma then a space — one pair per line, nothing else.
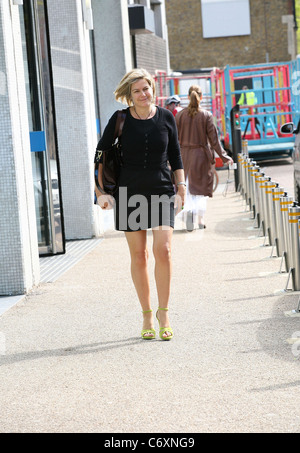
123, 90
195, 95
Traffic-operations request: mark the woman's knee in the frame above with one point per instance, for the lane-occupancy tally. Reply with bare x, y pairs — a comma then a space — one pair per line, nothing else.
140, 257
162, 253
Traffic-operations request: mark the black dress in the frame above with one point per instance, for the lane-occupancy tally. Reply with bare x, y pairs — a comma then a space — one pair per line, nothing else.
145, 198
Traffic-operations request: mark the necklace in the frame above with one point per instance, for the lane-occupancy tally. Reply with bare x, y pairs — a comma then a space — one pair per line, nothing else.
139, 115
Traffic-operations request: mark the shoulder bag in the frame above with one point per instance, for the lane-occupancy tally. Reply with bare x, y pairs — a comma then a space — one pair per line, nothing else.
111, 160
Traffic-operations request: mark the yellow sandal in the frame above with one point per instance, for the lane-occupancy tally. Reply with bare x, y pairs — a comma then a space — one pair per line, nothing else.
162, 330
148, 331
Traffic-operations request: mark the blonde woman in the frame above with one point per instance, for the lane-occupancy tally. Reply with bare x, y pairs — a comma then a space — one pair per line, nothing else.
198, 140
145, 198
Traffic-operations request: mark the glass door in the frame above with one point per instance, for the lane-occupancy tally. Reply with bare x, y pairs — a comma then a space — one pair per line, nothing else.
40, 106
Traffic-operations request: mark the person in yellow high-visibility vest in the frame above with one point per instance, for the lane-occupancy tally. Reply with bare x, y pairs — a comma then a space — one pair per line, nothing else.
249, 98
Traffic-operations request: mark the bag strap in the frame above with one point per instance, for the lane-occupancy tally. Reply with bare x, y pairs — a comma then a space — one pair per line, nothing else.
120, 123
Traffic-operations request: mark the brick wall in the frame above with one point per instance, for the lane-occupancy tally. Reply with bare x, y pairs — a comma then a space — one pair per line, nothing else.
189, 50
151, 52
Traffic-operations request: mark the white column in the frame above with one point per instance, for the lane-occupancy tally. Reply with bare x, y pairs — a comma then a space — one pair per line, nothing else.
75, 114
289, 20
19, 263
113, 51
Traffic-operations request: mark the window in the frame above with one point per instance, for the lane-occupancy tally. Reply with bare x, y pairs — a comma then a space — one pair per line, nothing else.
225, 18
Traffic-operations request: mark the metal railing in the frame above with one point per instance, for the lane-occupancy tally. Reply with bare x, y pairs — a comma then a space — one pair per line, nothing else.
276, 215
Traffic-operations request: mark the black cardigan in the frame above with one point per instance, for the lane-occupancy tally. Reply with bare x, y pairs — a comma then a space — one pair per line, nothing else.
146, 143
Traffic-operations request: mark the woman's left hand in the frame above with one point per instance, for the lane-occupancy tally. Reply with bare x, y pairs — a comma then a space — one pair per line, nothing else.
181, 192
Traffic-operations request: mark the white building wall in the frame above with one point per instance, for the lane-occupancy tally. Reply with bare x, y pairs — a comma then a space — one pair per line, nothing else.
75, 114
113, 51
19, 263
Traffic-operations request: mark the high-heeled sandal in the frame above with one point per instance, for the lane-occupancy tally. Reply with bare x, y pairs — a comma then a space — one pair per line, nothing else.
163, 330
148, 331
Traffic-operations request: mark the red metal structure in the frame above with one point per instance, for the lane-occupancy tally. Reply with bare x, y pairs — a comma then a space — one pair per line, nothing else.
270, 85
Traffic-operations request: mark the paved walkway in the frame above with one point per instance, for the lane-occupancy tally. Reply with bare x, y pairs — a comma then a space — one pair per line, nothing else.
72, 360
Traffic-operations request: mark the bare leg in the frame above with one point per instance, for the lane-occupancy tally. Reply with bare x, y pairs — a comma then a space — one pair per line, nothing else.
137, 242
162, 238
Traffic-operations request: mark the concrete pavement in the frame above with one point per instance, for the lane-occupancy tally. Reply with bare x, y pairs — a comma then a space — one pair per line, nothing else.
72, 359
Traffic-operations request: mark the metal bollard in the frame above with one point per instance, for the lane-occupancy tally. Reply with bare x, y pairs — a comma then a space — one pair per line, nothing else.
248, 190
245, 147
248, 165
239, 165
279, 233
243, 176
245, 179
270, 185
240, 158
285, 203
251, 172
262, 186
257, 182
255, 170
294, 217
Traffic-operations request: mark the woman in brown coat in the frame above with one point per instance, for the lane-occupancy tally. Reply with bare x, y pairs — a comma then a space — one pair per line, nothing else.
198, 140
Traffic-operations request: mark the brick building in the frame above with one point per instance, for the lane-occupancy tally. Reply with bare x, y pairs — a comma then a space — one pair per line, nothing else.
207, 33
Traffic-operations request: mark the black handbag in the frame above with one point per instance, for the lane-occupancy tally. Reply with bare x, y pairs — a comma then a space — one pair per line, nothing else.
111, 159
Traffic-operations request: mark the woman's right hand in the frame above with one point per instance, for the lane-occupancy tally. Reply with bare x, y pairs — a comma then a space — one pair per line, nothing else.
105, 201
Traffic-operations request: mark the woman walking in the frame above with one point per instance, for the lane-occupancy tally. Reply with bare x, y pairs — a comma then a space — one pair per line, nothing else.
145, 198
198, 140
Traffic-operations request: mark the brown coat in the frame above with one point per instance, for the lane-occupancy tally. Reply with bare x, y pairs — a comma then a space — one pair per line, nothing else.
198, 140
